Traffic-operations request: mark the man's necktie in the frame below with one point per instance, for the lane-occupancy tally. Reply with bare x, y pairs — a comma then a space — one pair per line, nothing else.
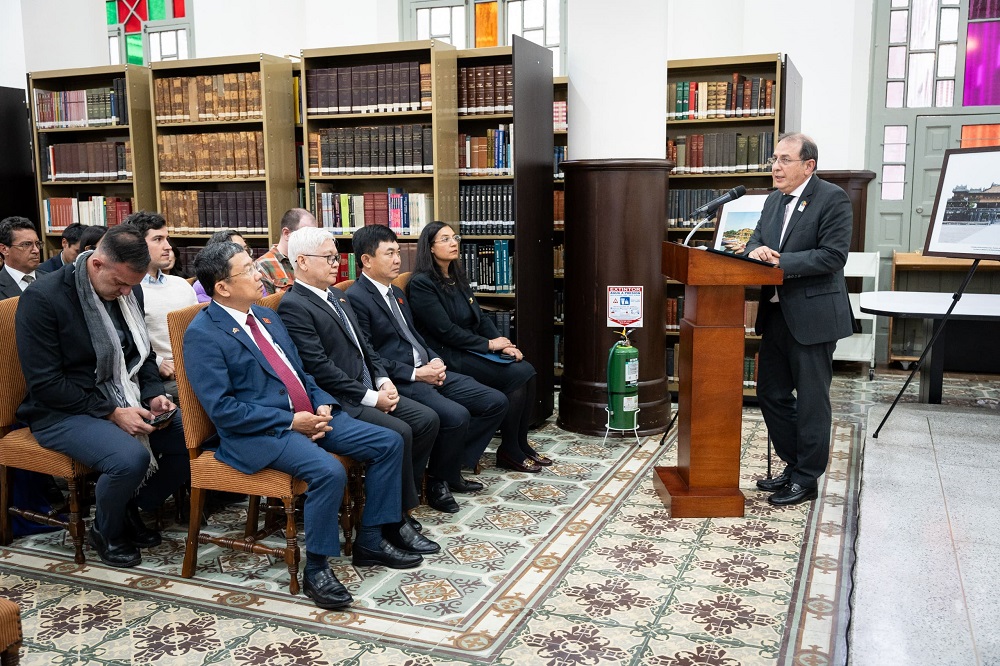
367, 378
28, 279
406, 329
300, 399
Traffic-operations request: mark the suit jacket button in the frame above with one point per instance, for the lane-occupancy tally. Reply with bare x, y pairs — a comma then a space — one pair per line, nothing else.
282, 391
269, 433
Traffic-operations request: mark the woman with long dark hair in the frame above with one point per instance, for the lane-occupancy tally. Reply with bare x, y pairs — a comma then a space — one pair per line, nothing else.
450, 320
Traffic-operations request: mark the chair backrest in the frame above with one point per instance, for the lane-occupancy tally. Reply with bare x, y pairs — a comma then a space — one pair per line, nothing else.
191, 280
402, 280
345, 285
862, 264
11, 379
270, 301
197, 426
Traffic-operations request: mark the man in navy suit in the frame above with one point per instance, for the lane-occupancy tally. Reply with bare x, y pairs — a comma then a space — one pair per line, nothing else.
21, 252
469, 411
805, 228
70, 248
248, 376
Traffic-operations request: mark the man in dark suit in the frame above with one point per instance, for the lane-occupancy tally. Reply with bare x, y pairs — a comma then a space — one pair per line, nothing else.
269, 412
21, 251
336, 353
93, 388
70, 248
805, 228
469, 411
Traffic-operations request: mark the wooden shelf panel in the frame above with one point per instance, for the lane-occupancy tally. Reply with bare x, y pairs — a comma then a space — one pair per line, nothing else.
89, 128
381, 115
375, 176
57, 183
486, 116
769, 120
208, 123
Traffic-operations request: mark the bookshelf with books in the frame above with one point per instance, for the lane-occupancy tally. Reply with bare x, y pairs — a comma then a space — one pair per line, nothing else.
224, 145
560, 134
505, 213
379, 131
93, 146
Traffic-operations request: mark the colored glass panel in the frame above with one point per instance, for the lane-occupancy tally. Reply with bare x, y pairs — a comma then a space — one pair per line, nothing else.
984, 9
982, 65
920, 80
978, 136
157, 10
486, 24
132, 13
179, 9
133, 49
923, 24
112, 8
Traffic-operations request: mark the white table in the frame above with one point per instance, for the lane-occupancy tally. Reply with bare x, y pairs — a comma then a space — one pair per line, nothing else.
931, 307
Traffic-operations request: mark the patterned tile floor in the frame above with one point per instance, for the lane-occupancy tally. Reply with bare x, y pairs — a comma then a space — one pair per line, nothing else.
580, 565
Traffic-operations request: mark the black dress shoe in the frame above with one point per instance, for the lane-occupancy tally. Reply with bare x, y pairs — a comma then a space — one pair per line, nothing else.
525, 465
439, 497
465, 486
136, 530
409, 540
387, 556
115, 553
791, 494
325, 590
776, 483
414, 523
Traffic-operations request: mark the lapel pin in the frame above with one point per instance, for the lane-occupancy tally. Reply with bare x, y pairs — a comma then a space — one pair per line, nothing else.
236, 330
400, 300
265, 320
343, 300
802, 206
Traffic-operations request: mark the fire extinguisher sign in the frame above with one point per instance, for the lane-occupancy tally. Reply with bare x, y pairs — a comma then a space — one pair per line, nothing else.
624, 307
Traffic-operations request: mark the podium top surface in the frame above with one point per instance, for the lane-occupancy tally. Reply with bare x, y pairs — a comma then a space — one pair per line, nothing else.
695, 267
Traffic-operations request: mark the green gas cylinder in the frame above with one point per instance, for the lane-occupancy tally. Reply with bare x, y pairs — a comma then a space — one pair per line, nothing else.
623, 384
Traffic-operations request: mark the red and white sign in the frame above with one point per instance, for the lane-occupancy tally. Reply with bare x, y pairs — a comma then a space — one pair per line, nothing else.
625, 307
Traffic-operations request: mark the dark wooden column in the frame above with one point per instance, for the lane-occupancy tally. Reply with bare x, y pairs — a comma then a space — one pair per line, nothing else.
615, 226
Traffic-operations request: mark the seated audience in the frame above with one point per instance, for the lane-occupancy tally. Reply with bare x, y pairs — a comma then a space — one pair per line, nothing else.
224, 236
70, 248
279, 273
22, 252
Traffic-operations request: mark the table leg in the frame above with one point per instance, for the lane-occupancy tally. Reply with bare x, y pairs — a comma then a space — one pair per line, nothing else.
932, 369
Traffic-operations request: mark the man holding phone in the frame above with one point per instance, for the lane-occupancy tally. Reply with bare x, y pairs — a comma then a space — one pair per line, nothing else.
93, 388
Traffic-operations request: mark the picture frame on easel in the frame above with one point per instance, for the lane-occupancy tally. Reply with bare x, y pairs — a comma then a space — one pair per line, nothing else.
965, 222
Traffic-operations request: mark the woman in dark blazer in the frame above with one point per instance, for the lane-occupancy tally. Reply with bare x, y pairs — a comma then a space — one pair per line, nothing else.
448, 317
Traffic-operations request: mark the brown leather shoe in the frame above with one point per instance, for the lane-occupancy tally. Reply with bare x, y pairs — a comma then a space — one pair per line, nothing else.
526, 465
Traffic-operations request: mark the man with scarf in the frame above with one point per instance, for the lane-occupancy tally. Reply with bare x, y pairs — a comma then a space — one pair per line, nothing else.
93, 387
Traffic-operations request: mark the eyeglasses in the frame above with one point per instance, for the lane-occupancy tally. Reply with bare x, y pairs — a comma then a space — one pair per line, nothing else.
27, 245
332, 259
251, 269
783, 160
448, 239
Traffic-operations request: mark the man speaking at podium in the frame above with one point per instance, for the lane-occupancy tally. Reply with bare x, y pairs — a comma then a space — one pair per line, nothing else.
805, 229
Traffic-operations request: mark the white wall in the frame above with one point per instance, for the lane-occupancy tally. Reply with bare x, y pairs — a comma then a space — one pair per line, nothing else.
828, 42
12, 67
59, 34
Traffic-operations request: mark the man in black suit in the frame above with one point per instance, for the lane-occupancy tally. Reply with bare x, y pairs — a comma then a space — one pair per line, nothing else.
93, 387
469, 411
336, 353
805, 228
21, 251
70, 248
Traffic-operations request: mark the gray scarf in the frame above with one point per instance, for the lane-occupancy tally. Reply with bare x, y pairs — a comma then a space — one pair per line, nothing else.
115, 380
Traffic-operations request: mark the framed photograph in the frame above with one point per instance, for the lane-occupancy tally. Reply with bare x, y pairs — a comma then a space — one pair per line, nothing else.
966, 218
737, 221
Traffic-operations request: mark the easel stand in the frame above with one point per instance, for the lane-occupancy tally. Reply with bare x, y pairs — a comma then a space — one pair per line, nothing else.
634, 429
956, 297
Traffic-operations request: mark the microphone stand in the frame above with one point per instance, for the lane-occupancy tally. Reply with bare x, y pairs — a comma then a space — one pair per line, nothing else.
707, 216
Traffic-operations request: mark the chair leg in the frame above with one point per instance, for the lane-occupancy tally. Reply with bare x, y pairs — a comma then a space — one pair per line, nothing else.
76, 527
12, 655
253, 516
291, 545
194, 527
6, 529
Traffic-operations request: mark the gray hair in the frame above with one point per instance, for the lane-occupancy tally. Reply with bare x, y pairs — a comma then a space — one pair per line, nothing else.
306, 240
808, 149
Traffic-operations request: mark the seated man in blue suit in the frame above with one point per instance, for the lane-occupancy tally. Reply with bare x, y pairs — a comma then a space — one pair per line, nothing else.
248, 376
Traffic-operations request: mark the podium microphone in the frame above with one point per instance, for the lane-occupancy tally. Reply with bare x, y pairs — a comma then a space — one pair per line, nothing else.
711, 207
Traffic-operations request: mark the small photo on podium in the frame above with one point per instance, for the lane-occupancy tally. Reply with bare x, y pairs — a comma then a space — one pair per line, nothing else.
737, 220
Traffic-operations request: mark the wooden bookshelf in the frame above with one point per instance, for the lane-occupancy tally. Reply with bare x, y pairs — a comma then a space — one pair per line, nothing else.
529, 188
67, 132
560, 140
223, 145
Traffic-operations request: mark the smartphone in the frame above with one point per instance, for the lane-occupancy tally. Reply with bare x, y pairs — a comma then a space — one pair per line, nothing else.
162, 418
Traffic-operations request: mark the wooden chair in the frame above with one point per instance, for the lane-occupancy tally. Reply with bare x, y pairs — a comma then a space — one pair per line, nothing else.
207, 473
191, 280
402, 280
20, 450
344, 285
271, 301
10, 633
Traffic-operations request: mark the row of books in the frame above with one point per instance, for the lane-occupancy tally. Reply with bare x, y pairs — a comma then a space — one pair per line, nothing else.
560, 116
559, 306
91, 160
186, 255
673, 308
207, 97
485, 89
559, 352
348, 269
486, 209
490, 155
721, 152
680, 203
60, 212
201, 212
559, 207
211, 156
371, 150
502, 318
559, 260
386, 88
404, 212
489, 266
741, 97
559, 155
91, 107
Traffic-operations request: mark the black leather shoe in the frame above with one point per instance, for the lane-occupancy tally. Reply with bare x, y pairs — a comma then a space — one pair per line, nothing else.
387, 556
414, 523
465, 486
136, 530
539, 459
525, 465
325, 590
776, 483
439, 497
116, 553
409, 540
791, 494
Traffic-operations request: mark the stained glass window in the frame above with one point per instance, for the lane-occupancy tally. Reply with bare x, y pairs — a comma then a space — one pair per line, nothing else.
147, 30
982, 64
979, 136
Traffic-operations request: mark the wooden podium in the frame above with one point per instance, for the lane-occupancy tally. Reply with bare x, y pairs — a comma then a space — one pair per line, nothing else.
705, 482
